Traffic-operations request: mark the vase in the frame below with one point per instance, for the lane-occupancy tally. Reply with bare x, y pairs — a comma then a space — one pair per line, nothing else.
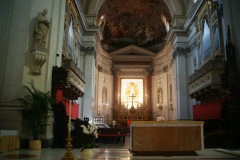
35, 144
86, 154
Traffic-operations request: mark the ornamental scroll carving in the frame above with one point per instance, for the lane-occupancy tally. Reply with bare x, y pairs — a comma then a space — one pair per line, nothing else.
38, 58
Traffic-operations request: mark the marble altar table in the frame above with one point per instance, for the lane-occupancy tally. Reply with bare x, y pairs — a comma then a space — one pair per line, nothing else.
166, 136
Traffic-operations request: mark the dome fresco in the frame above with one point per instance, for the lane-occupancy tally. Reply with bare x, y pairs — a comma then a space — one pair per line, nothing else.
143, 23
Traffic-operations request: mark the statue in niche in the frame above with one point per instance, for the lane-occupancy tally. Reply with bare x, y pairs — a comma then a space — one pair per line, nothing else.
160, 95
104, 95
41, 30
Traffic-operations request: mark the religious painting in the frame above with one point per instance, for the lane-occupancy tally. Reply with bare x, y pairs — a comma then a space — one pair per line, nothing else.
130, 24
132, 93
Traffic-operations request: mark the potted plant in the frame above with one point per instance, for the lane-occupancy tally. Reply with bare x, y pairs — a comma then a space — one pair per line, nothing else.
90, 133
36, 111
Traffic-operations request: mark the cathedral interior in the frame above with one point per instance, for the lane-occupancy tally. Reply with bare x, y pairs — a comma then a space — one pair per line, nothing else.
114, 63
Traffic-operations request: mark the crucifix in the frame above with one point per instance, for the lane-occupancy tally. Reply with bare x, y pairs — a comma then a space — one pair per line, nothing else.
132, 96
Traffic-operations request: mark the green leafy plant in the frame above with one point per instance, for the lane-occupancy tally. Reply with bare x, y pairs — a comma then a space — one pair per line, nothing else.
37, 109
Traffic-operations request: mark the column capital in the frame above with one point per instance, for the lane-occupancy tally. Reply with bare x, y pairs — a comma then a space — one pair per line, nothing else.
148, 71
90, 50
165, 68
115, 71
180, 51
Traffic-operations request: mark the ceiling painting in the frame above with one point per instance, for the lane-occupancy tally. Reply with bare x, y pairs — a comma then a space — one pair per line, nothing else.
143, 23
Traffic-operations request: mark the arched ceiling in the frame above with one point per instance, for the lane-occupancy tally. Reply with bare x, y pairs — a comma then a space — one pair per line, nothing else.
143, 23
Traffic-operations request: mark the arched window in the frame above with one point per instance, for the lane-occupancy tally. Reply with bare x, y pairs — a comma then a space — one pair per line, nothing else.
206, 41
70, 38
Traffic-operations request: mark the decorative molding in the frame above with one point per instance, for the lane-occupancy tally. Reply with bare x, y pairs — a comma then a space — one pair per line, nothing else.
166, 124
69, 65
209, 66
133, 73
158, 72
165, 68
192, 12
104, 70
148, 71
38, 58
73, 79
193, 46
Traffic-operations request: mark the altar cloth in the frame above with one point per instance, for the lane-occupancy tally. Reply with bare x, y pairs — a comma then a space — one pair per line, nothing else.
9, 140
171, 136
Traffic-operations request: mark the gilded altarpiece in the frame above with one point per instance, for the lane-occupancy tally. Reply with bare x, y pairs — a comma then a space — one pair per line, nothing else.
132, 101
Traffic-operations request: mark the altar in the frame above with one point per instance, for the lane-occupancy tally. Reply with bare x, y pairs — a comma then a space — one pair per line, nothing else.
166, 136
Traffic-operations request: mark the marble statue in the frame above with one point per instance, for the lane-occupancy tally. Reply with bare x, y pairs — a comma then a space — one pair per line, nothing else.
41, 30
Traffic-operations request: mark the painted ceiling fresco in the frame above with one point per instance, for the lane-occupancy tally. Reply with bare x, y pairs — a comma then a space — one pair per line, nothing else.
143, 23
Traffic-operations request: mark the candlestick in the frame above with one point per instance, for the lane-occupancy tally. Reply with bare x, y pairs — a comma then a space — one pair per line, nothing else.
69, 155
69, 116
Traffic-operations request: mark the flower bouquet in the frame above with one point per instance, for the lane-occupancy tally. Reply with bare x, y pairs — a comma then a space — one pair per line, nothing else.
90, 132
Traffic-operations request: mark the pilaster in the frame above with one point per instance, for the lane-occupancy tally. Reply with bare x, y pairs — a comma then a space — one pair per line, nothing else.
180, 67
89, 82
116, 89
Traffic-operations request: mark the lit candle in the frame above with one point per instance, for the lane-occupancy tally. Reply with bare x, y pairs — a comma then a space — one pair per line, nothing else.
69, 116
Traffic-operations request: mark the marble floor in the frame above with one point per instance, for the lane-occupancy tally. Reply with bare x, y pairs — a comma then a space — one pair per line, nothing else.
117, 152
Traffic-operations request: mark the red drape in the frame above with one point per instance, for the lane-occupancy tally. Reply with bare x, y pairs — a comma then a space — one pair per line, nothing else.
74, 110
210, 110
59, 96
75, 106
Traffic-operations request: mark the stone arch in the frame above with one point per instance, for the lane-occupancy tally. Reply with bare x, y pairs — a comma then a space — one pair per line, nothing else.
176, 7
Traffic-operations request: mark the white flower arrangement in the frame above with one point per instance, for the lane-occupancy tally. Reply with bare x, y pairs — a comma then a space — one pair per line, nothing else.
91, 129
90, 132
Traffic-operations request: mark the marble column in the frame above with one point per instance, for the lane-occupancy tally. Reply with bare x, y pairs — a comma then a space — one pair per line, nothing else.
182, 97
88, 98
116, 91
